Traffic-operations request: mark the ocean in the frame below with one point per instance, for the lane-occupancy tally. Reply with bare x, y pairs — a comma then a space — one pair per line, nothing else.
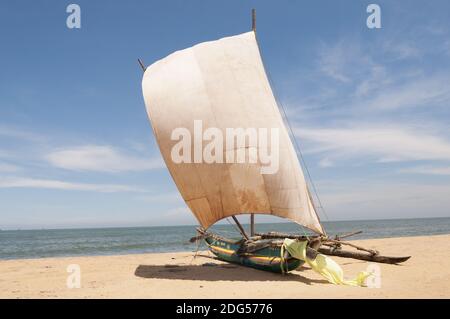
19, 244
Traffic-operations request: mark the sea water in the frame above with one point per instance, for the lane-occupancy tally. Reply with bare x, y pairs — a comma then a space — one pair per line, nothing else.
16, 244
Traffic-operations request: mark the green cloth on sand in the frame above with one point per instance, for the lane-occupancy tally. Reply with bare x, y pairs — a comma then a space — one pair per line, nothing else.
323, 265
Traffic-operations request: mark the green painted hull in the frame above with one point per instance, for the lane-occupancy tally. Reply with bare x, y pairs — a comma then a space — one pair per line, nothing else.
268, 259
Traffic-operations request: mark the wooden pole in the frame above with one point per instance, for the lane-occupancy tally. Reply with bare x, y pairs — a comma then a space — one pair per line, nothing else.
362, 256
338, 237
241, 229
252, 216
338, 243
254, 20
276, 235
142, 65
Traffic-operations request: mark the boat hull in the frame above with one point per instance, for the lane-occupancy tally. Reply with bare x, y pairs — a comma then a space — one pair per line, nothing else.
268, 259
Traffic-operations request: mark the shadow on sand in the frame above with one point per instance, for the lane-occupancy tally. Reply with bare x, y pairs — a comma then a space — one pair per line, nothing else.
216, 272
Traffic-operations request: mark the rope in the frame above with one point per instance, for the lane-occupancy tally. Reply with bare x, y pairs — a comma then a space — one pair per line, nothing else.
199, 242
291, 132
234, 226
282, 261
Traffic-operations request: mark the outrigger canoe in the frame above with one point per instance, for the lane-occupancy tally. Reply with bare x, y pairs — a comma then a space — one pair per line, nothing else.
266, 258
223, 85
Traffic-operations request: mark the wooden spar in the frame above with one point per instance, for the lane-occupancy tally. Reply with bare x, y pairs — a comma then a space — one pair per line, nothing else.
275, 235
252, 225
254, 20
338, 237
292, 236
362, 256
337, 243
142, 65
241, 229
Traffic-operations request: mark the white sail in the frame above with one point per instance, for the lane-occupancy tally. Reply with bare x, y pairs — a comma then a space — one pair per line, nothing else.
223, 83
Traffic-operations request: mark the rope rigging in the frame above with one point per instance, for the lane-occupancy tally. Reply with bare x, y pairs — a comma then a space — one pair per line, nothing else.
294, 139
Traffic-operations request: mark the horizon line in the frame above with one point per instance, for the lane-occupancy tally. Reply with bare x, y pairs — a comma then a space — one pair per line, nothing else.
196, 225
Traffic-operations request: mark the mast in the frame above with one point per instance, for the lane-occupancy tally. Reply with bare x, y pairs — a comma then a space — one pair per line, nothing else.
142, 65
241, 229
252, 216
254, 20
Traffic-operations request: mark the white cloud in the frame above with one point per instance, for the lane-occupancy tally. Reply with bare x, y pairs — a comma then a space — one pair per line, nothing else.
19, 182
430, 92
5, 154
347, 62
401, 49
333, 60
375, 77
326, 162
100, 158
360, 68
428, 170
384, 143
371, 199
13, 132
178, 212
162, 198
8, 168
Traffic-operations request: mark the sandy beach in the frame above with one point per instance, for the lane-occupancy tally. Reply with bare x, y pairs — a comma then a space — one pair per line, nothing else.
180, 275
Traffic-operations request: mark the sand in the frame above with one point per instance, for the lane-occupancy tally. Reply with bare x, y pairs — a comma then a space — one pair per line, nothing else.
179, 275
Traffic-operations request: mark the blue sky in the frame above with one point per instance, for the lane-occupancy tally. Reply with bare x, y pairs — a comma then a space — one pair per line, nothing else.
370, 107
